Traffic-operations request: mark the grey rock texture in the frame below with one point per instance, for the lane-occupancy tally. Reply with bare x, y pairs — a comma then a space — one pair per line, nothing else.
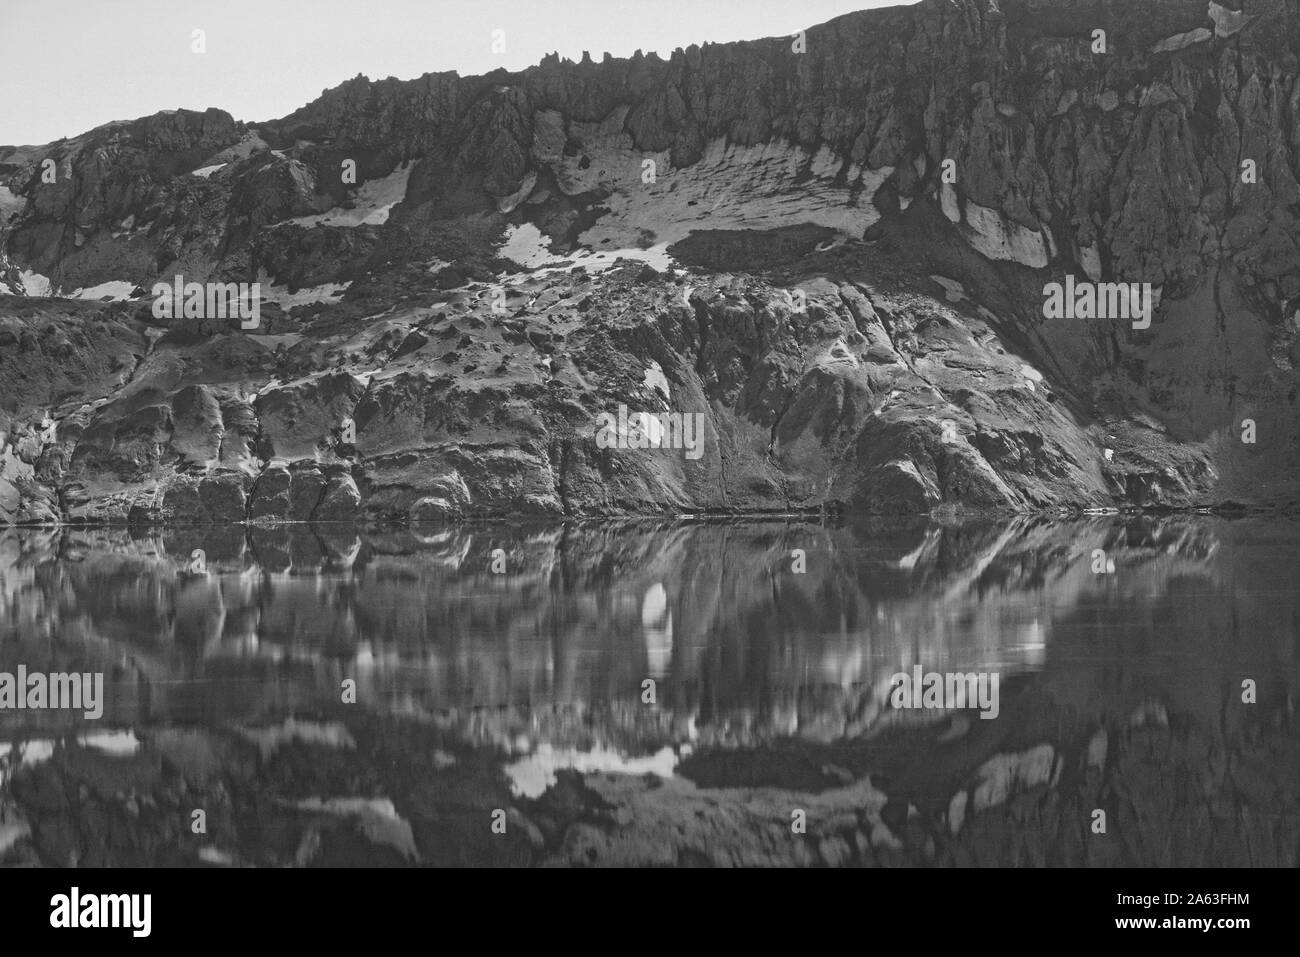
860, 233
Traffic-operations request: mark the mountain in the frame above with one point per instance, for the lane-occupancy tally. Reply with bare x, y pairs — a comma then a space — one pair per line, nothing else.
837, 249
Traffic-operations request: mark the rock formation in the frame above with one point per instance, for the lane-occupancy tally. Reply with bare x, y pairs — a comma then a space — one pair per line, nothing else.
835, 251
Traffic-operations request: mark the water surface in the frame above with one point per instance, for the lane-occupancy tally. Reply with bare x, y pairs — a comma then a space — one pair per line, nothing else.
334, 695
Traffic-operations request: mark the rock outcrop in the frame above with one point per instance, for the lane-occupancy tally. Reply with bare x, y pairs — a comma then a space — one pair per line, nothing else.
838, 248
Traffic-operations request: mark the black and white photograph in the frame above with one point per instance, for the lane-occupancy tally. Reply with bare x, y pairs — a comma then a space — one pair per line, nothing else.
651, 435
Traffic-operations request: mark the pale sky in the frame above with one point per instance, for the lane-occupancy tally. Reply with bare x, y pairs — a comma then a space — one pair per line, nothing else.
70, 65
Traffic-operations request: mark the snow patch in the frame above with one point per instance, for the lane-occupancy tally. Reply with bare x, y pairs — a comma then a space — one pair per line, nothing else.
274, 342
1227, 22
34, 284
731, 187
1005, 775
952, 289
526, 245
374, 200
117, 743
507, 204
212, 855
765, 186
1090, 260
1180, 41
206, 171
655, 379
36, 752
308, 295
996, 237
115, 289
948, 202
531, 776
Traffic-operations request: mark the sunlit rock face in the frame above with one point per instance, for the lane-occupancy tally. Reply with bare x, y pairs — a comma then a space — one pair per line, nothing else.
444, 319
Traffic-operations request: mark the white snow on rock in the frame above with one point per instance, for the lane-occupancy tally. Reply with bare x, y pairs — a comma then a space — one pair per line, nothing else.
1006, 775
532, 775
953, 290
115, 289
957, 811
1180, 41
306, 296
1097, 748
655, 379
730, 187
1227, 22
1090, 260
117, 743
36, 752
948, 202
270, 740
995, 236
656, 255
374, 200
507, 204
12, 831
526, 245
759, 187
652, 204
206, 171
213, 855
34, 284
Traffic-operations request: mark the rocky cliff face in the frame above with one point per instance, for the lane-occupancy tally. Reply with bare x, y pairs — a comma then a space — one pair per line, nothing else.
836, 251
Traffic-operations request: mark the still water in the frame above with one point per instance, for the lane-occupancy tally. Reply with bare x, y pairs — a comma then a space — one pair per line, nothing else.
657, 694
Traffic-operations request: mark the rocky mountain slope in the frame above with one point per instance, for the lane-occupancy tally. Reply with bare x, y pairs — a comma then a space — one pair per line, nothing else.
834, 250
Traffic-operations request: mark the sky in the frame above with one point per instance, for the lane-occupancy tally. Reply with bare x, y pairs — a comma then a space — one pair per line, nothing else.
67, 66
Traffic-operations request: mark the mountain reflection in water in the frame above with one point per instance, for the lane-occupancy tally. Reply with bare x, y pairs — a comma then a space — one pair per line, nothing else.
226, 672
